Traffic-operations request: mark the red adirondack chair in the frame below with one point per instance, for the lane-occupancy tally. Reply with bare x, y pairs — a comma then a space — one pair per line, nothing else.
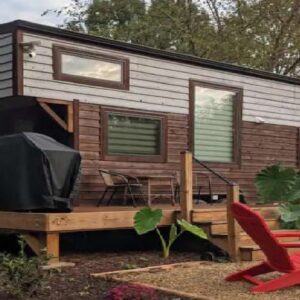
275, 251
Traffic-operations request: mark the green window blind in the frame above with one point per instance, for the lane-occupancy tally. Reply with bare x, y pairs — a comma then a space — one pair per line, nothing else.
213, 124
133, 135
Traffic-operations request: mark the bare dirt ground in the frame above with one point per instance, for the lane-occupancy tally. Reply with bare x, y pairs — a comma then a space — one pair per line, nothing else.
74, 283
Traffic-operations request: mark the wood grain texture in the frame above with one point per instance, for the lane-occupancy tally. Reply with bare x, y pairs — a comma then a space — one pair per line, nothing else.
91, 147
261, 145
160, 85
186, 185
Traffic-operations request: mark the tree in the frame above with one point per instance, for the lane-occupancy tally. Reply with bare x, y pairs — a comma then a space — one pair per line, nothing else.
75, 15
262, 34
179, 25
117, 19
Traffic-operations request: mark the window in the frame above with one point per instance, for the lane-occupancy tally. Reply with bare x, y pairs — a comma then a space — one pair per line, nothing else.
133, 137
90, 68
216, 113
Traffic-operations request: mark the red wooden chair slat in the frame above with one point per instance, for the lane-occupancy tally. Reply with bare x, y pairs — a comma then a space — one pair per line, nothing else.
276, 253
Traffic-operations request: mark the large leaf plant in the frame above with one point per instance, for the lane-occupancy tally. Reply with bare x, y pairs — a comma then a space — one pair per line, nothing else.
147, 220
281, 184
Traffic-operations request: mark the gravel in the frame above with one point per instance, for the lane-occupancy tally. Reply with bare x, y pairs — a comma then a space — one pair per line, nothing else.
206, 279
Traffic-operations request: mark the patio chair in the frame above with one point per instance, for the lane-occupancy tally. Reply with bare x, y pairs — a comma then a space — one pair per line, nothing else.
116, 182
197, 186
277, 257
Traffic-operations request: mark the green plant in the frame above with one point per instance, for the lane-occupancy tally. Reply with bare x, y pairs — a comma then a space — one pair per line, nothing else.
22, 276
281, 184
147, 220
274, 183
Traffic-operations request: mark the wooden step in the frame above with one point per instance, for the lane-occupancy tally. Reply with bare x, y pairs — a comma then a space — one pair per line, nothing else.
220, 227
253, 253
212, 214
245, 239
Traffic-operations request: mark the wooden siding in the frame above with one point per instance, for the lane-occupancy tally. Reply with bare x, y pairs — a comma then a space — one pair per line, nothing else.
91, 150
262, 144
6, 81
160, 85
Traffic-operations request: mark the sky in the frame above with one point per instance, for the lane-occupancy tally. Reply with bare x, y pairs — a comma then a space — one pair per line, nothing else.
30, 10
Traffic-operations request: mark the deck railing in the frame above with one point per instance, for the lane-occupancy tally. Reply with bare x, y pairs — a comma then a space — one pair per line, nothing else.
186, 200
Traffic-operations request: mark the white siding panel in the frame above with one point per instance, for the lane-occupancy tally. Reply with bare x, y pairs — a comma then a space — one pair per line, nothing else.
6, 75
37, 92
160, 85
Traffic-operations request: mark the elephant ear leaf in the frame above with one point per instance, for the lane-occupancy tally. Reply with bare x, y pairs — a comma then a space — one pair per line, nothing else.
274, 183
146, 220
173, 233
195, 230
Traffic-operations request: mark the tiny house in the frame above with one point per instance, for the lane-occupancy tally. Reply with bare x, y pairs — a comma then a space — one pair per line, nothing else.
133, 109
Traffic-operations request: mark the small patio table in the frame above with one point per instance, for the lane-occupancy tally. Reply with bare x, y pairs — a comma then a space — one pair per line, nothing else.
150, 180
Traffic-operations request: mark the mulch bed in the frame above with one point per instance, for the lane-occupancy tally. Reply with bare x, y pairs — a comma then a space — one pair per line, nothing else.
206, 281
76, 283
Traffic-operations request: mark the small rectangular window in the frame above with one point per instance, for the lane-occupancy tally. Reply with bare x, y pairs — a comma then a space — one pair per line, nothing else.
133, 137
90, 68
216, 115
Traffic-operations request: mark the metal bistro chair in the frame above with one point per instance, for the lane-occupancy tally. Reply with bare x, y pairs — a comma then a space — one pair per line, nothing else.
199, 186
130, 185
196, 187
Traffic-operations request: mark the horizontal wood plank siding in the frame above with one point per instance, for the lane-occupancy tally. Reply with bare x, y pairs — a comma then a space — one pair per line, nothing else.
91, 150
160, 85
262, 145
6, 74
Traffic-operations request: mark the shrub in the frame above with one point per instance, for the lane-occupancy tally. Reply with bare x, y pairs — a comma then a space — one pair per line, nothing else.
22, 276
147, 220
281, 184
132, 292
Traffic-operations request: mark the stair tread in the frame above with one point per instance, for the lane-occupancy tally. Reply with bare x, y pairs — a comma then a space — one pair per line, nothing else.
223, 234
250, 247
225, 222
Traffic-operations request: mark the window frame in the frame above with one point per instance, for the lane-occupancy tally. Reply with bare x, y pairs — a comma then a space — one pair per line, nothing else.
237, 119
59, 50
134, 157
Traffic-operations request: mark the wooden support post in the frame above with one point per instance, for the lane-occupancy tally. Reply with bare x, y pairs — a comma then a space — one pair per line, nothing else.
233, 195
52, 246
186, 185
44, 241
76, 123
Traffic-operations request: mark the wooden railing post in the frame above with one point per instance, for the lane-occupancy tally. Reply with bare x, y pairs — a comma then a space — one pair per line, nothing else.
186, 185
233, 195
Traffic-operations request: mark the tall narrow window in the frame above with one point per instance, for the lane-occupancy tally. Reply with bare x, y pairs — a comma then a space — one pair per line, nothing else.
133, 137
216, 126
90, 68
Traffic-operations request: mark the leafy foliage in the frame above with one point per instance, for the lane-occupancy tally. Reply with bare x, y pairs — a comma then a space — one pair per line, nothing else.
261, 34
147, 220
275, 183
195, 230
281, 184
290, 215
22, 276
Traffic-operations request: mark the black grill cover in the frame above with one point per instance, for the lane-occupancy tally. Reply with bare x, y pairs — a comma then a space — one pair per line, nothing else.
36, 173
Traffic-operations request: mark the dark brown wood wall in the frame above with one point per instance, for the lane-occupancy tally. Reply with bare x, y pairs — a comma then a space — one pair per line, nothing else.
262, 145
89, 145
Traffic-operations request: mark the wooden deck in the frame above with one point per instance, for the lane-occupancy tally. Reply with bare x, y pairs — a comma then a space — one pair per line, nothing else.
42, 230
81, 219
90, 218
